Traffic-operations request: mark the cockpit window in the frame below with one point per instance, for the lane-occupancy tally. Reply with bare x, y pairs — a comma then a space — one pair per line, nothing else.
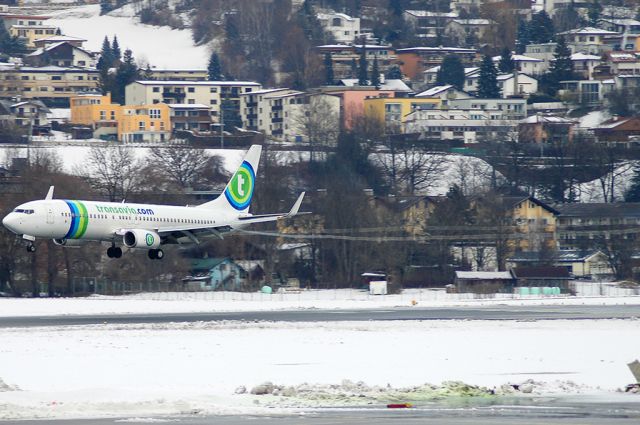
23, 211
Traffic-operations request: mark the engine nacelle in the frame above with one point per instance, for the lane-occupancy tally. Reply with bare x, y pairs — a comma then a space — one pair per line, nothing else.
142, 239
69, 243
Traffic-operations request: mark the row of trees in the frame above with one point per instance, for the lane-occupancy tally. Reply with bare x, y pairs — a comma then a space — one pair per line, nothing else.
117, 69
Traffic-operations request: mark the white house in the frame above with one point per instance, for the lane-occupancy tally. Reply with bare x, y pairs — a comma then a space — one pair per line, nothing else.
527, 64
444, 93
583, 64
587, 40
509, 84
344, 28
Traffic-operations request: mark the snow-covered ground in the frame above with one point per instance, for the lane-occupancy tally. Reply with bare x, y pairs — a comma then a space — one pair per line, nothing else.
183, 302
134, 370
161, 47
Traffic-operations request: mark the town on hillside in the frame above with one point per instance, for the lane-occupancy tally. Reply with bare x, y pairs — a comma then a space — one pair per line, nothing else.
491, 146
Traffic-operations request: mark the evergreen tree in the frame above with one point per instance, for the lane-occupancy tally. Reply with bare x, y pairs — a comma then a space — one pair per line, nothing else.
523, 37
308, 21
126, 74
106, 54
105, 6
633, 192
10, 45
506, 64
375, 73
147, 74
328, 67
363, 79
451, 72
541, 28
594, 11
562, 68
393, 73
488, 82
115, 49
214, 69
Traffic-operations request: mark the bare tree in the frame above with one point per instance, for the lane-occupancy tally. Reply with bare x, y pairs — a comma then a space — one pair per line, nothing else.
186, 167
412, 168
113, 171
319, 122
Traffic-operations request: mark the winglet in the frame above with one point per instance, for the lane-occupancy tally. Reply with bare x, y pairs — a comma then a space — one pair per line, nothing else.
296, 206
49, 194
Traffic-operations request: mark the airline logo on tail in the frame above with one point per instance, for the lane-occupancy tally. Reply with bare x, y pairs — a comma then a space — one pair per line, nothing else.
240, 189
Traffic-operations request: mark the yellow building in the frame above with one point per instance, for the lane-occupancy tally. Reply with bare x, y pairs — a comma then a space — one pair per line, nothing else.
129, 123
535, 223
394, 110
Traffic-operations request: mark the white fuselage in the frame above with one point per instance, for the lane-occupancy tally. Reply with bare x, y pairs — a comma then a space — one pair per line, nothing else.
104, 221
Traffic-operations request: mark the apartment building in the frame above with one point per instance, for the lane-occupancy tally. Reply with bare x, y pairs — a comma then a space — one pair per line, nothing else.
342, 27
211, 93
394, 112
415, 60
345, 58
53, 84
127, 123
515, 109
286, 114
194, 118
464, 125
28, 27
179, 74
428, 24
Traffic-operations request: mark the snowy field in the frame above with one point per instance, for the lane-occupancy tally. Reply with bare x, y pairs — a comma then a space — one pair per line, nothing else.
221, 301
211, 368
150, 44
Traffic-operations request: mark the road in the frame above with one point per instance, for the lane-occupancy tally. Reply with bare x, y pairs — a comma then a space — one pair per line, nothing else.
503, 312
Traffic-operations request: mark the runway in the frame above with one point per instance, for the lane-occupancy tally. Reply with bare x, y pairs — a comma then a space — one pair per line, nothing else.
499, 312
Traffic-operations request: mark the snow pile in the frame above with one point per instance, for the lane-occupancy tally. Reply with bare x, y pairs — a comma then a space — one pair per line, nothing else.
6, 387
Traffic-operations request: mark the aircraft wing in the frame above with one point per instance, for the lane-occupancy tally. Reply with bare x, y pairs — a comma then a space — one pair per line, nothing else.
191, 233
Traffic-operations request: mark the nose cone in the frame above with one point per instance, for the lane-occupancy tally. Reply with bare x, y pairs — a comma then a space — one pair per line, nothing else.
10, 222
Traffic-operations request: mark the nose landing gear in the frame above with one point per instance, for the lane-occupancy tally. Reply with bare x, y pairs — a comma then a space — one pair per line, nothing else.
31, 247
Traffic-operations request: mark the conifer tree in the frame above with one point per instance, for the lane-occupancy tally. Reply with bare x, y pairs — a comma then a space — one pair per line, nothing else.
393, 73
363, 79
594, 11
541, 28
506, 64
562, 68
115, 49
8, 44
126, 74
375, 73
106, 54
354, 68
214, 69
451, 72
488, 82
328, 67
523, 37
148, 73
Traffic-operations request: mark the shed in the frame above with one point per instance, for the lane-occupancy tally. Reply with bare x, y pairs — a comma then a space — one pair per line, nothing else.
552, 276
484, 282
209, 274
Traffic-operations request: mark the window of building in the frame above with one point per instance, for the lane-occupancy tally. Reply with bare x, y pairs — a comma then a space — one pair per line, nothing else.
141, 125
56, 77
213, 90
213, 102
103, 115
154, 113
191, 89
191, 101
24, 77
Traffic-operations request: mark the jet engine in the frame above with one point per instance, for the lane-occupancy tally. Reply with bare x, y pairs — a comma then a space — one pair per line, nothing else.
69, 243
143, 239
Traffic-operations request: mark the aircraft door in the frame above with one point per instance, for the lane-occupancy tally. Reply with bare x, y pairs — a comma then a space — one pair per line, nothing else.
50, 215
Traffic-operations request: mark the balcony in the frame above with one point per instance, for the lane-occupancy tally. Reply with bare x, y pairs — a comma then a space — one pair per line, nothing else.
276, 120
173, 95
277, 108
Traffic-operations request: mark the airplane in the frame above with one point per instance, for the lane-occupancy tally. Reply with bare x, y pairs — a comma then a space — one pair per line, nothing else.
72, 223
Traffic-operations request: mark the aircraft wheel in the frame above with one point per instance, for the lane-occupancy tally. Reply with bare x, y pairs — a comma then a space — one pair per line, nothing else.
117, 252
110, 252
31, 248
159, 254
152, 254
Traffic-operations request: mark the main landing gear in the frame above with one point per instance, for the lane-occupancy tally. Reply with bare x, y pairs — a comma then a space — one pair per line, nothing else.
31, 247
156, 254
114, 252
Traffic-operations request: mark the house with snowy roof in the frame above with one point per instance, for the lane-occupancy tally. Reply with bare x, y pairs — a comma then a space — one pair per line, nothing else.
427, 24
619, 131
444, 93
587, 40
62, 53
415, 60
515, 84
579, 263
584, 64
430, 76
467, 31
526, 64
546, 129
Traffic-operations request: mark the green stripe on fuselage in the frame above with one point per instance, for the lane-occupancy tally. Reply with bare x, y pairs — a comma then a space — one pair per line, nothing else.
84, 220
